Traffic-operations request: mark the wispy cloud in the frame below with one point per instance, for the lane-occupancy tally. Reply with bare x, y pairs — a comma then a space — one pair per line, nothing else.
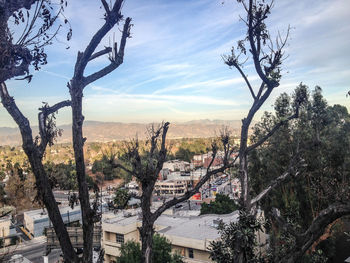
173, 67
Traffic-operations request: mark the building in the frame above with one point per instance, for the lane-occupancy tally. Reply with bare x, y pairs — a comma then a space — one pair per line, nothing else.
177, 165
170, 187
35, 221
18, 259
189, 236
5, 225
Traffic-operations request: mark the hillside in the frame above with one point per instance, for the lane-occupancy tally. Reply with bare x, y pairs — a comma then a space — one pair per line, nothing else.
108, 131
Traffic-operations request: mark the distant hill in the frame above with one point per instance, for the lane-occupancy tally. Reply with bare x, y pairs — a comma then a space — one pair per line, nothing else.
108, 131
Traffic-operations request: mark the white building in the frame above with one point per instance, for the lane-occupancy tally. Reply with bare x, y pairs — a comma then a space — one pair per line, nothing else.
36, 221
177, 165
189, 236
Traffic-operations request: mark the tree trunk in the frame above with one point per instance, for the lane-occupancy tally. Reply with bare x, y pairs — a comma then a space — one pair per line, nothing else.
41, 180
51, 206
78, 144
147, 241
147, 230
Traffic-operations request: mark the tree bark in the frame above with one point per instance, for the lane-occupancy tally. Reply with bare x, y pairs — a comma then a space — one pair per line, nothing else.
78, 144
146, 230
42, 183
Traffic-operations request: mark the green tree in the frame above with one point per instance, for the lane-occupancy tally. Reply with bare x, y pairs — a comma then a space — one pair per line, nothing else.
184, 154
222, 205
223, 250
321, 137
131, 252
121, 198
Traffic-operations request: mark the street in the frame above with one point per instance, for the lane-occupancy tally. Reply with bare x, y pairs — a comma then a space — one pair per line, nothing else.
33, 250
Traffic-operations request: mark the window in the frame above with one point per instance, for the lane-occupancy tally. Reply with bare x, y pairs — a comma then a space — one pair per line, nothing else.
119, 238
190, 253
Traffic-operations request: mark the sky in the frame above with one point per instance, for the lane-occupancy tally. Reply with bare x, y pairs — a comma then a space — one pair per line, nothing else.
173, 68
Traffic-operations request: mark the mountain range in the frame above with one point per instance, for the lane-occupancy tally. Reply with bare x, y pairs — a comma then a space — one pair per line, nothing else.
96, 131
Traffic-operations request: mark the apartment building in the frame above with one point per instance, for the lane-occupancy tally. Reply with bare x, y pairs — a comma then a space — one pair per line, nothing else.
177, 165
170, 187
189, 236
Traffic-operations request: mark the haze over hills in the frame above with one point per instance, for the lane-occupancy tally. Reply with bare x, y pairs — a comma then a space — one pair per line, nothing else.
108, 131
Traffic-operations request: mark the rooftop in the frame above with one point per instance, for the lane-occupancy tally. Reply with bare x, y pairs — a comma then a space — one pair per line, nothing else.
42, 213
194, 227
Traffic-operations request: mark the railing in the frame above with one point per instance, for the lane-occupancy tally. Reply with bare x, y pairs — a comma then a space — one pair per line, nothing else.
76, 237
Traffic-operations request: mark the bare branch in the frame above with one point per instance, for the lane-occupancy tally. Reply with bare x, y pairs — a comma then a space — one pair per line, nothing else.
111, 19
262, 86
193, 191
278, 181
45, 136
106, 7
246, 80
118, 165
115, 62
9, 104
100, 53
272, 131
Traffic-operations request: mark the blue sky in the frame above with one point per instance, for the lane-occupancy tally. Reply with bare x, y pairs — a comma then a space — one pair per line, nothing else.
173, 69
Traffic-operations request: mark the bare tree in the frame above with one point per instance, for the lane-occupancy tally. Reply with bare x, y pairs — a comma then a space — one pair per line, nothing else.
267, 55
146, 166
76, 87
16, 58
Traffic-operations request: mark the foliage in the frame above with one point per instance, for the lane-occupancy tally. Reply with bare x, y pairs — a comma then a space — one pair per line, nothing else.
106, 166
131, 252
62, 175
184, 154
222, 205
224, 250
321, 138
20, 188
187, 148
121, 198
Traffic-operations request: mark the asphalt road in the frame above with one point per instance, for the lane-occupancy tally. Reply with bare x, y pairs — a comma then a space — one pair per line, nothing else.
34, 251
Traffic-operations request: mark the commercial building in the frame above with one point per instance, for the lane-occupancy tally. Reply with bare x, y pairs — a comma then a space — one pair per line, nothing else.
189, 236
35, 221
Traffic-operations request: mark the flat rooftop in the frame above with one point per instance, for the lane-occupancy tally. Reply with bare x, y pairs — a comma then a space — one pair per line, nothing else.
42, 213
194, 227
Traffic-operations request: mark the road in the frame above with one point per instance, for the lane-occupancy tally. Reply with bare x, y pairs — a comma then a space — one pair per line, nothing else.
34, 251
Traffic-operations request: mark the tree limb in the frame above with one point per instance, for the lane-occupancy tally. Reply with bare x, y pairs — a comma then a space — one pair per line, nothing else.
100, 53
42, 118
316, 229
272, 131
118, 165
16, 114
83, 58
254, 50
193, 191
116, 61
106, 7
282, 223
325, 217
246, 80
278, 181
